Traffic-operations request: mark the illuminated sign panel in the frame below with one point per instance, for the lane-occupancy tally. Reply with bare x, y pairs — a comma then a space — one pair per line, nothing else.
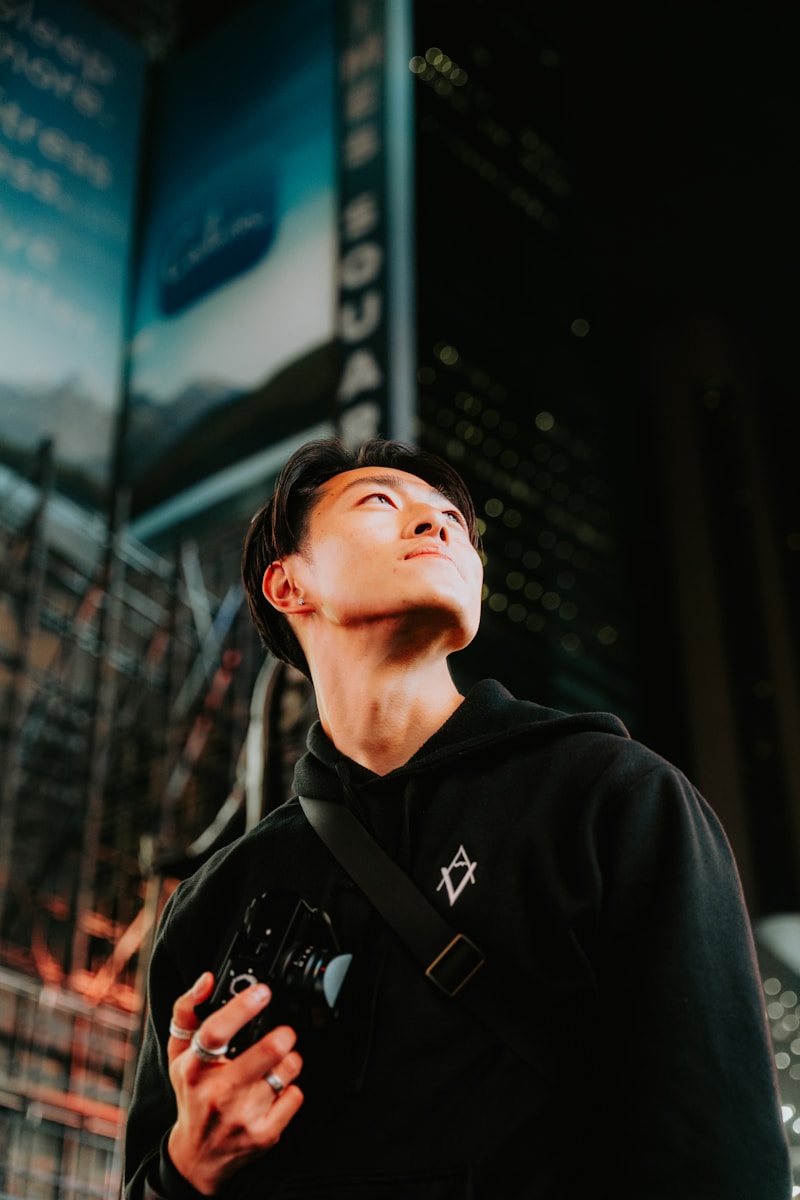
234, 344
70, 98
375, 392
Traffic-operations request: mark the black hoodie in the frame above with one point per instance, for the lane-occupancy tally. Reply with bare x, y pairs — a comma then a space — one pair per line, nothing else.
602, 891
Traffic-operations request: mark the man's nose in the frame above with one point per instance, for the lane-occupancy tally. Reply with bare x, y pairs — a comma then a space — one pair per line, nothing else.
431, 522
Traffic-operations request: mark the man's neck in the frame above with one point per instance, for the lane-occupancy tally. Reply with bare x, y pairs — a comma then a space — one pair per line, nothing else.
381, 717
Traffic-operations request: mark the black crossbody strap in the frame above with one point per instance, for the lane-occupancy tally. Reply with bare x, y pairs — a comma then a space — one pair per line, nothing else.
450, 960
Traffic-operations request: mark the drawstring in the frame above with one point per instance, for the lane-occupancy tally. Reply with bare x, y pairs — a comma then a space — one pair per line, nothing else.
343, 771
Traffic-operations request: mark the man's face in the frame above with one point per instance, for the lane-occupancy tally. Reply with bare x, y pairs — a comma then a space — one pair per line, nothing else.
384, 543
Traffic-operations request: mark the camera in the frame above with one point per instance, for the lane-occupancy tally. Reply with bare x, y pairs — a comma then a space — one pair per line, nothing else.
292, 947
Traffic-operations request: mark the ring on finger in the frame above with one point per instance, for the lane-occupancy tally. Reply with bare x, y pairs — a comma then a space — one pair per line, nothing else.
177, 1031
275, 1082
204, 1053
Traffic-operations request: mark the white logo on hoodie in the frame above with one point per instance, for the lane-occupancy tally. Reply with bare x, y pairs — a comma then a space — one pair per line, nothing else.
461, 863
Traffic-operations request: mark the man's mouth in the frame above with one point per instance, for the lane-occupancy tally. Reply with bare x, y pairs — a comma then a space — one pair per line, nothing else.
432, 550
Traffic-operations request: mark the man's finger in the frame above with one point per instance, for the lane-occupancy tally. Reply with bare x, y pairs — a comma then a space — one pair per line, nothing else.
184, 1019
220, 1027
284, 1072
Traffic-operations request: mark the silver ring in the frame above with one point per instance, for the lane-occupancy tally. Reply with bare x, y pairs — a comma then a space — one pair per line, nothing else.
203, 1052
275, 1082
177, 1031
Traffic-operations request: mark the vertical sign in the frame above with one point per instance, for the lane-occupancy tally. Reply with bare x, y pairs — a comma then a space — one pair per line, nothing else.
70, 98
376, 318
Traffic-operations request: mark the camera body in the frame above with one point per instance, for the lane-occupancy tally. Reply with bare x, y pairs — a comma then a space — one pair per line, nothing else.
292, 947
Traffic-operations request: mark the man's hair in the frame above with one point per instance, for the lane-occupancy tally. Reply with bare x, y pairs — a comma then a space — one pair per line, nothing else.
280, 526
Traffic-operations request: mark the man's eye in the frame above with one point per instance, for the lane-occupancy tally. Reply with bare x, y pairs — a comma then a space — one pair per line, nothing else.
456, 516
379, 496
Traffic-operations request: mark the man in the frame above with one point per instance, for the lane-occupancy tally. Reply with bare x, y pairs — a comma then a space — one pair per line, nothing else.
596, 882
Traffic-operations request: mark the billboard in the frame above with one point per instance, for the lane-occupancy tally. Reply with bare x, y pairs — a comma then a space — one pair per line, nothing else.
71, 90
275, 295
234, 343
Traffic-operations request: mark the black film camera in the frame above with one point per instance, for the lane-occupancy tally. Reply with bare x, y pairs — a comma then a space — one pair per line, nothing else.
292, 947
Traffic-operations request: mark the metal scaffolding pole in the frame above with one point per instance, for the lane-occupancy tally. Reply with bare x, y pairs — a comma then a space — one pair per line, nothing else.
30, 600
107, 681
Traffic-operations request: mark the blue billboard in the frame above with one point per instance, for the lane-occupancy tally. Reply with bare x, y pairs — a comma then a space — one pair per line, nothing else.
234, 343
71, 90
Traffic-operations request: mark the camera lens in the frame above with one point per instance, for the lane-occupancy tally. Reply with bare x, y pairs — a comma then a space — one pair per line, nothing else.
313, 980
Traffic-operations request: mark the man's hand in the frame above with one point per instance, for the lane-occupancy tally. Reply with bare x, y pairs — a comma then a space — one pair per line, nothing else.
228, 1112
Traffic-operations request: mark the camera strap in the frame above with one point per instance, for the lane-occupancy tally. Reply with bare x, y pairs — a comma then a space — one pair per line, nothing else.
451, 961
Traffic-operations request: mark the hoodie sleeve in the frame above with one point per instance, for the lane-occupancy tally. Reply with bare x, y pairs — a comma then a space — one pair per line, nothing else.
152, 1109
696, 1108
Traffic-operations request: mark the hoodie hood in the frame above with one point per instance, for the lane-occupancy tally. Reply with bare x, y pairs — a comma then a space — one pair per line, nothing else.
489, 716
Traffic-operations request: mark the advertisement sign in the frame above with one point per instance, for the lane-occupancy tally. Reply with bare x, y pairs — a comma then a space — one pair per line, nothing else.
70, 99
376, 392
235, 341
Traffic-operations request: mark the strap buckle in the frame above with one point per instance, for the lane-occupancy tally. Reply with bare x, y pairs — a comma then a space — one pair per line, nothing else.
455, 965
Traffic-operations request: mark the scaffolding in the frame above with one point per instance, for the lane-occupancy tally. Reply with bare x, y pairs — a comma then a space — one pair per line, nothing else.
141, 728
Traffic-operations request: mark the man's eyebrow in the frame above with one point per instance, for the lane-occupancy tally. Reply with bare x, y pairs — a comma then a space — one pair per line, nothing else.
394, 481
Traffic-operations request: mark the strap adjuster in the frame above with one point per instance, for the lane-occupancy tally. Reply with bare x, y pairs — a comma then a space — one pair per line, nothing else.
455, 965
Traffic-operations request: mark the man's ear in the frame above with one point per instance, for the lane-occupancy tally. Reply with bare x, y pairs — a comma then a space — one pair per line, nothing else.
280, 591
